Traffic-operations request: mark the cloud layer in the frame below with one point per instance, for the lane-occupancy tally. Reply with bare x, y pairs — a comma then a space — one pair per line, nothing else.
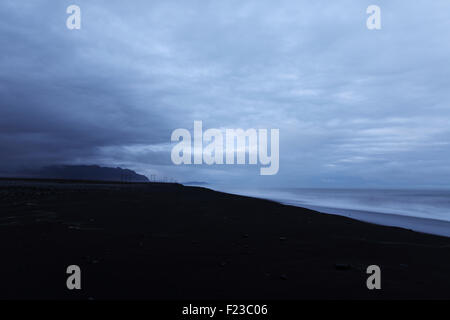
354, 107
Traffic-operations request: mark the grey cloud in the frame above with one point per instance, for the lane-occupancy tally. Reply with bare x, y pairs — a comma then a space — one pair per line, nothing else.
354, 107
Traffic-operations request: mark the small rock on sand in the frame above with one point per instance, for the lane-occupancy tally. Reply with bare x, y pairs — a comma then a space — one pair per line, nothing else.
283, 277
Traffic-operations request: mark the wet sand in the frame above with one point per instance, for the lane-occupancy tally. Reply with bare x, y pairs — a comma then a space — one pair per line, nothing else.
167, 241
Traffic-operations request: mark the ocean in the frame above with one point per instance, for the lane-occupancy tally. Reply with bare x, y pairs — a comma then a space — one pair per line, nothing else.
426, 211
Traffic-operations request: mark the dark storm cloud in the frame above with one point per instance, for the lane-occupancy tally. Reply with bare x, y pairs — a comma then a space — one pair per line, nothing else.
354, 107
61, 96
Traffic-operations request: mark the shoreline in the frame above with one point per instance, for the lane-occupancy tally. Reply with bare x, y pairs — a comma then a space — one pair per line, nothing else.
416, 224
168, 242
408, 222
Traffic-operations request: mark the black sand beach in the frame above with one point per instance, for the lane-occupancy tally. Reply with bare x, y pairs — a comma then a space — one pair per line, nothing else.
167, 241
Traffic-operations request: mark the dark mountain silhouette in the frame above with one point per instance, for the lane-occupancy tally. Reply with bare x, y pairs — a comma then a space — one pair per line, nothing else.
90, 172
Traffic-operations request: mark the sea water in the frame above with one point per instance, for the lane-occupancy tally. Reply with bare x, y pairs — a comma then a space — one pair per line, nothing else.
420, 210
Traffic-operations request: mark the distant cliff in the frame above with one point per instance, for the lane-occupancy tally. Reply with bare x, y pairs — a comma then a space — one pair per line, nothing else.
90, 172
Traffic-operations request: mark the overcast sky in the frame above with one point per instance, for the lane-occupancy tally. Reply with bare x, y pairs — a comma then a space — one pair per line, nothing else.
355, 107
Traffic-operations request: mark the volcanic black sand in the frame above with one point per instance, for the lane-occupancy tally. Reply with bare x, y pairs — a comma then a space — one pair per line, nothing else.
167, 241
